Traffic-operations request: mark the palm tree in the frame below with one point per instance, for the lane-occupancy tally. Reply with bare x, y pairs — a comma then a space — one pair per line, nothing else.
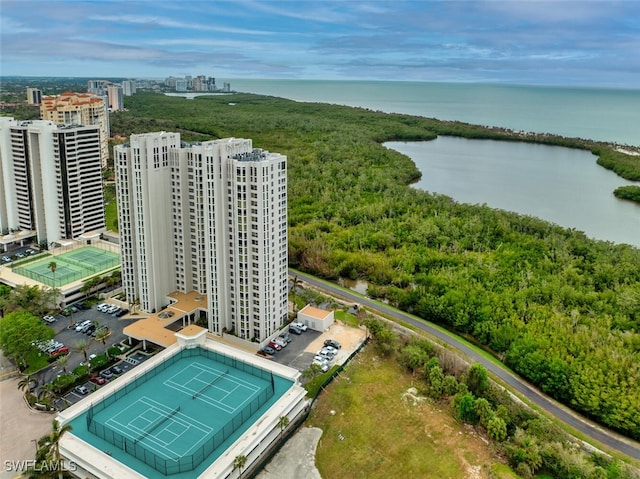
63, 361
101, 335
82, 346
238, 463
51, 445
27, 382
53, 266
283, 422
48, 395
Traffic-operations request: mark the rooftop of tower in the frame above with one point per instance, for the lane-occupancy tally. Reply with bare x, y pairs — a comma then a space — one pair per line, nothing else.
254, 155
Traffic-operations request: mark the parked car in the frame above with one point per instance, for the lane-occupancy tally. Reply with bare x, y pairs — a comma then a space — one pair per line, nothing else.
330, 349
333, 343
20, 255
82, 390
117, 369
60, 351
89, 331
295, 330
107, 374
30, 251
6, 259
330, 354
101, 306
300, 326
87, 327
281, 342
49, 319
268, 350
82, 325
286, 336
275, 345
99, 380
324, 365
122, 312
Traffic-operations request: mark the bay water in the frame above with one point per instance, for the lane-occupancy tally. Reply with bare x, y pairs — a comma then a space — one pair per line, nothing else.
610, 115
560, 185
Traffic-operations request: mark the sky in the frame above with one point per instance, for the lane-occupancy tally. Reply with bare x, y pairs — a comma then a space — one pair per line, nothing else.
560, 42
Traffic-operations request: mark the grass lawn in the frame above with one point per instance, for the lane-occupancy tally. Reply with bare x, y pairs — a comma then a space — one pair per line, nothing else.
370, 432
36, 361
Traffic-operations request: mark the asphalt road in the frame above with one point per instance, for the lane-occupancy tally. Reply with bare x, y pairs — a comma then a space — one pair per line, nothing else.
596, 432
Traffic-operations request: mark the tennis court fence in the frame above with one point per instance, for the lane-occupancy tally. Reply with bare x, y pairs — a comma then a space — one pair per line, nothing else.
135, 446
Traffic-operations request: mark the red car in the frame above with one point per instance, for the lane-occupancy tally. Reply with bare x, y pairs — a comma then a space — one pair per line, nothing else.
60, 351
275, 345
99, 380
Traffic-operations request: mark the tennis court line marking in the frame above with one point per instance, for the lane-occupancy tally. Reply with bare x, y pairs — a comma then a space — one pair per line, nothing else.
182, 387
152, 442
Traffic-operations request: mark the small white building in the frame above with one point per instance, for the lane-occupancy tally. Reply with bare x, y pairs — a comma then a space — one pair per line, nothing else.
315, 318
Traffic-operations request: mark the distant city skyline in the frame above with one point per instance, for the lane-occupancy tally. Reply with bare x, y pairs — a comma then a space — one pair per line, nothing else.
567, 43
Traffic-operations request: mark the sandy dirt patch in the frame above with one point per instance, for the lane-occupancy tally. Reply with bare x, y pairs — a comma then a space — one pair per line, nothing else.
348, 337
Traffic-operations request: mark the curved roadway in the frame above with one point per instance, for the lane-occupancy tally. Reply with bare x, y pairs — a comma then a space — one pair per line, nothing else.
597, 433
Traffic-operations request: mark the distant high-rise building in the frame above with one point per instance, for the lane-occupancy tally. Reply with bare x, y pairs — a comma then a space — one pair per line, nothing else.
98, 87
34, 96
129, 87
116, 97
182, 85
51, 179
79, 109
208, 217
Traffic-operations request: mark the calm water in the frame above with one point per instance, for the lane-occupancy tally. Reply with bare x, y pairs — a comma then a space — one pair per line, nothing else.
596, 113
560, 185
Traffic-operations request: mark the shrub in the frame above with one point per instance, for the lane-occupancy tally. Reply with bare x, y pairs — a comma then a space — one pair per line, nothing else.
63, 382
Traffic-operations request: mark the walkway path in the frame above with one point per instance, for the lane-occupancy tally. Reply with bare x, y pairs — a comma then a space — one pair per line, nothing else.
297, 457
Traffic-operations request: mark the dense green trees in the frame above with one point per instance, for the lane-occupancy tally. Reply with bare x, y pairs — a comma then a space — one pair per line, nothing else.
630, 192
560, 309
18, 330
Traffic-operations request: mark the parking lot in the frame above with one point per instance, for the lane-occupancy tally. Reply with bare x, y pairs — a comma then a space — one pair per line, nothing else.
302, 349
66, 334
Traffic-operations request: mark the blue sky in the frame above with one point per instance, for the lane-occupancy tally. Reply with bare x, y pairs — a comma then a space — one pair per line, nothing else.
589, 43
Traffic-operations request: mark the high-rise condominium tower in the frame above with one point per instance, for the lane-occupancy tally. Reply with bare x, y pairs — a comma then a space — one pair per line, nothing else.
209, 217
51, 179
79, 109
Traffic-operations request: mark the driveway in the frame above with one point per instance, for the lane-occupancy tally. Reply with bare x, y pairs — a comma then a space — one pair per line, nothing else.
19, 427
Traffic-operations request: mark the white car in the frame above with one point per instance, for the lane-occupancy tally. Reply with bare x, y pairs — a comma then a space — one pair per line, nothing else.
280, 342
300, 326
324, 365
80, 326
49, 319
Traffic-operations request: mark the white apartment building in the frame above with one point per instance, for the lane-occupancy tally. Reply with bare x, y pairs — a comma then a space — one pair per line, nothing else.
51, 179
208, 217
129, 87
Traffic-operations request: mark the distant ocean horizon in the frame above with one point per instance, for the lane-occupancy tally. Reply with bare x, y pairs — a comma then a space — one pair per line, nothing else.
602, 114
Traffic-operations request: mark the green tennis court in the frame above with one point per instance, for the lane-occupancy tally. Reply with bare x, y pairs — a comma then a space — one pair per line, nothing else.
70, 266
181, 415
